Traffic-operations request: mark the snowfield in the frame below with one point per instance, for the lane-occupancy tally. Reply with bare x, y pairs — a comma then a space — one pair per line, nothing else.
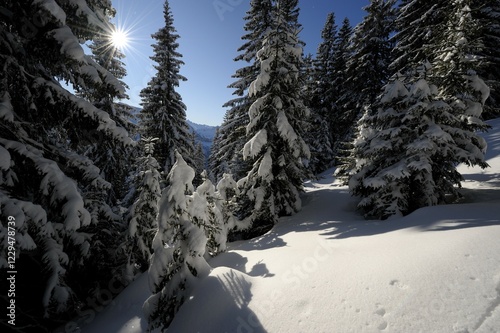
326, 269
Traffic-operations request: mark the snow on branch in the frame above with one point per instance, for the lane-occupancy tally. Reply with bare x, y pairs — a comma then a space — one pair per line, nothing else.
92, 15
106, 124
53, 8
93, 70
479, 85
54, 256
285, 129
55, 184
69, 43
254, 146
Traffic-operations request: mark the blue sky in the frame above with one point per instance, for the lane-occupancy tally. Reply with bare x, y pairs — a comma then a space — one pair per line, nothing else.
210, 34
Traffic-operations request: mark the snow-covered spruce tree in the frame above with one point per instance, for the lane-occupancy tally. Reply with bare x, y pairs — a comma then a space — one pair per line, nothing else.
341, 54
213, 163
392, 152
225, 154
227, 195
112, 160
323, 64
206, 210
488, 13
198, 159
455, 63
164, 114
275, 146
322, 100
341, 122
54, 193
410, 148
368, 67
417, 24
231, 138
407, 151
459, 85
110, 57
144, 211
179, 248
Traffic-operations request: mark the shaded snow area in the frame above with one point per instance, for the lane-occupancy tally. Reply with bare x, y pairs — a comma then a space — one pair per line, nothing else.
326, 269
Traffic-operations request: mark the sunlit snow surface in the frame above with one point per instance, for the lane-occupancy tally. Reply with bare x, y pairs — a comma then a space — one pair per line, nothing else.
326, 269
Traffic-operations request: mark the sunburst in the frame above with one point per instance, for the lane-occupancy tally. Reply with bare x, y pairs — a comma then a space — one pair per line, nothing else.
120, 39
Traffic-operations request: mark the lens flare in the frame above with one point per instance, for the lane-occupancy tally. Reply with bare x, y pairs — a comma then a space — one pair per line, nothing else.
120, 39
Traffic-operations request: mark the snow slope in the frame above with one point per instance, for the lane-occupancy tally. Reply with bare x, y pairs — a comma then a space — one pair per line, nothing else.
328, 270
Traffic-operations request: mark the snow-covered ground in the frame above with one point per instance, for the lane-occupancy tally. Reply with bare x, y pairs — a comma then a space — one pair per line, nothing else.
326, 269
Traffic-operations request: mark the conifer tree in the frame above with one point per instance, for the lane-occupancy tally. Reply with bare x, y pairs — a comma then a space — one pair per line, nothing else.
198, 159
275, 146
322, 100
341, 122
113, 160
341, 55
164, 114
225, 155
227, 194
55, 194
395, 147
368, 67
215, 163
109, 56
209, 214
231, 135
455, 68
179, 247
488, 14
421, 25
144, 211
408, 148
323, 66
417, 24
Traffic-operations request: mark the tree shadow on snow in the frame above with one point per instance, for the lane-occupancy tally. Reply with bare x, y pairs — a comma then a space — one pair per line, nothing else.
485, 187
428, 219
267, 241
480, 194
238, 262
239, 290
260, 269
335, 215
231, 313
339, 218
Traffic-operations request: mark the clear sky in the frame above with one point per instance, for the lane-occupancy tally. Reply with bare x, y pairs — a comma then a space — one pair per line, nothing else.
210, 34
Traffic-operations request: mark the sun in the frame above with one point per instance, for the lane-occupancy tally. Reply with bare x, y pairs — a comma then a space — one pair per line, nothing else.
120, 39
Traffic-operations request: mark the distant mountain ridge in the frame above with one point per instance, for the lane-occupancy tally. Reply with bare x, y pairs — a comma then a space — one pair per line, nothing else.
205, 131
205, 134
